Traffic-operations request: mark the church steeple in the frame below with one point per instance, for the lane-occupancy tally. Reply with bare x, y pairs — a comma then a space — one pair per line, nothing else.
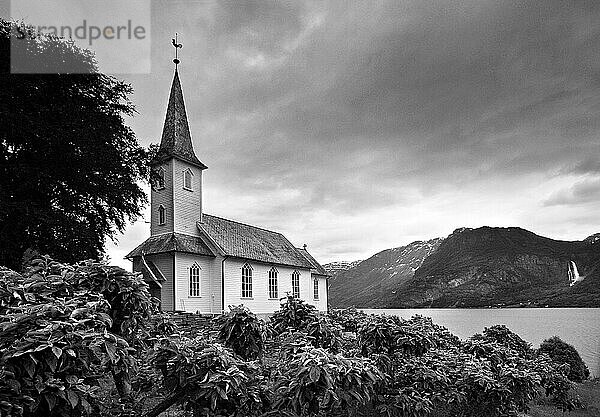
176, 141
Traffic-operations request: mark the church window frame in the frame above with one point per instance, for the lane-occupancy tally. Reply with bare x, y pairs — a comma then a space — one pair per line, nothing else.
316, 288
296, 284
246, 281
273, 284
194, 280
188, 176
159, 179
162, 215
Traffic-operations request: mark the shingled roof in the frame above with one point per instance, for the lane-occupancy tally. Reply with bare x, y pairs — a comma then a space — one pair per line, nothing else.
176, 141
317, 268
171, 242
250, 242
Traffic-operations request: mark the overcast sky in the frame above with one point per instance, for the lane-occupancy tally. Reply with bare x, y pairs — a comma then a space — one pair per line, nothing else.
360, 126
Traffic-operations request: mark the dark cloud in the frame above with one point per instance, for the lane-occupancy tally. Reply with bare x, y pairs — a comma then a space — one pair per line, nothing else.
446, 85
585, 191
351, 108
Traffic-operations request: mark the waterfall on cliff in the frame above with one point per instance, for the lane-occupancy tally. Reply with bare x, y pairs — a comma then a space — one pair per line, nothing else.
574, 273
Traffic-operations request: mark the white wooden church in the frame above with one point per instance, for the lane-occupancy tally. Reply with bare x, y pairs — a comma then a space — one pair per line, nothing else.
198, 262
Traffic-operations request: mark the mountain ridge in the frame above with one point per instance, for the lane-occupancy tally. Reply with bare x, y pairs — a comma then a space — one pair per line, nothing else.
382, 273
476, 267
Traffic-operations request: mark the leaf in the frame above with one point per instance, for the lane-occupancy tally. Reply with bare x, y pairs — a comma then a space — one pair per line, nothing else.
51, 400
79, 312
14, 385
52, 362
111, 350
86, 406
57, 352
73, 398
29, 367
315, 374
106, 319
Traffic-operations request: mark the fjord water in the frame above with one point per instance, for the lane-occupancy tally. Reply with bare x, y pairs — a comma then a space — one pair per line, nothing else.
577, 326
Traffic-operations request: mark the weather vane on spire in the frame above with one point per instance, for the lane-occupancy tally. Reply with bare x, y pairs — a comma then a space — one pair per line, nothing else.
177, 46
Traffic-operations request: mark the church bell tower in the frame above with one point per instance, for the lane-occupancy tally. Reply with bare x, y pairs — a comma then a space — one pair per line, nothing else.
176, 195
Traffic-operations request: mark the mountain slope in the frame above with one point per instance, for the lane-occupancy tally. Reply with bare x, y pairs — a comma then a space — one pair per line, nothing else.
334, 268
488, 266
373, 281
504, 266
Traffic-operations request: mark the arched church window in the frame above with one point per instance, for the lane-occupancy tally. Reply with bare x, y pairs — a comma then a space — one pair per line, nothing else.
195, 280
246, 281
161, 215
316, 289
273, 287
296, 284
187, 179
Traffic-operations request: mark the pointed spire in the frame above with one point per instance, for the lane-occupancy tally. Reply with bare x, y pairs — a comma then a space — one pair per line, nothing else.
176, 140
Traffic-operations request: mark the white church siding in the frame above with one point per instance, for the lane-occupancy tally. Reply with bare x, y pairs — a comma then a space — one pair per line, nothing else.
163, 197
209, 300
188, 204
260, 301
321, 303
165, 264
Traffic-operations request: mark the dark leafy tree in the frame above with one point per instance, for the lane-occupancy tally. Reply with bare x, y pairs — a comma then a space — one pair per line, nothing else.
69, 166
561, 352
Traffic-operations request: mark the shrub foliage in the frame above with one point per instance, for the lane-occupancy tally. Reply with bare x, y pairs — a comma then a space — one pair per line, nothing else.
243, 332
67, 330
62, 327
563, 353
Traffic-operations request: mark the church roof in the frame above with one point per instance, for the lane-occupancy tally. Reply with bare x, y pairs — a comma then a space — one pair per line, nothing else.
317, 268
171, 242
176, 141
253, 243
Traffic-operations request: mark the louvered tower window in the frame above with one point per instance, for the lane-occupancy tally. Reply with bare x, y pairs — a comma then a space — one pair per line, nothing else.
161, 215
187, 179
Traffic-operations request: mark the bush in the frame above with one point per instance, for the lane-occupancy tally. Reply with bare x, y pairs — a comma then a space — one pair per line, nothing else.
349, 319
322, 332
293, 314
209, 379
390, 335
61, 347
503, 336
243, 332
57, 335
163, 326
561, 352
316, 382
